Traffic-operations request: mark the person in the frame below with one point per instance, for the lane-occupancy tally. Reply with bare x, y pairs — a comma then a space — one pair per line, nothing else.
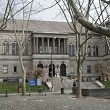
74, 83
61, 79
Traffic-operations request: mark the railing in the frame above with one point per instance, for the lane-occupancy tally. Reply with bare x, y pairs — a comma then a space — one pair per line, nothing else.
66, 84
85, 84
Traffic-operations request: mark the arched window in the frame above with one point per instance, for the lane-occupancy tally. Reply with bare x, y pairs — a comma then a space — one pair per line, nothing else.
106, 50
40, 66
71, 50
26, 50
95, 50
15, 48
62, 69
89, 50
5, 48
51, 70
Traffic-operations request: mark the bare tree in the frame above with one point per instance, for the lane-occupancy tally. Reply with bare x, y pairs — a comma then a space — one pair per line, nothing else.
81, 41
6, 7
107, 2
22, 38
93, 15
99, 15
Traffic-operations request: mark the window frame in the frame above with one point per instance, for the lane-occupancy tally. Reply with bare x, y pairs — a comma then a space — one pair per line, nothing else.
15, 69
5, 69
5, 48
88, 69
71, 49
15, 48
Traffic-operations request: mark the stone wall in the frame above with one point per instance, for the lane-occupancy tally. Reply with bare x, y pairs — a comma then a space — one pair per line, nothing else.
93, 92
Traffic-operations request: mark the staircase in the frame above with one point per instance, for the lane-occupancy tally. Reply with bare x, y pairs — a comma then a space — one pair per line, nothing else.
89, 85
57, 84
67, 85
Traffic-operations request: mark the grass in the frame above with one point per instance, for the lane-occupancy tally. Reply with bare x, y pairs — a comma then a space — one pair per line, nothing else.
106, 83
13, 87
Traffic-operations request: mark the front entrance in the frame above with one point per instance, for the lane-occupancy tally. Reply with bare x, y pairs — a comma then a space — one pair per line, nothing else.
40, 65
50, 70
62, 70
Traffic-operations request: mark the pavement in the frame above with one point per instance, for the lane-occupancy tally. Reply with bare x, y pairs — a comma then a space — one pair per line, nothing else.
52, 101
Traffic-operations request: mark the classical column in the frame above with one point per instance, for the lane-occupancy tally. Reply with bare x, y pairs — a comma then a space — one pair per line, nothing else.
42, 45
53, 45
64, 48
59, 45
92, 49
66, 45
48, 44
34, 45
37, 45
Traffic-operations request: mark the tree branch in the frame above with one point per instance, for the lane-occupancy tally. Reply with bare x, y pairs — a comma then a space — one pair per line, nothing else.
107, 2
92, 27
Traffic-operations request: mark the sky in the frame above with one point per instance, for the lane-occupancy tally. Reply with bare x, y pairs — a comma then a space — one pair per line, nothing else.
52, 14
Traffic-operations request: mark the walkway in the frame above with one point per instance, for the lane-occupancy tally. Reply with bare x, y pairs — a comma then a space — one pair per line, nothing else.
52, 101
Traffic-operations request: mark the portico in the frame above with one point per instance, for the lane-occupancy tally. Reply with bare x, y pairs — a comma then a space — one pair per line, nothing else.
43, 45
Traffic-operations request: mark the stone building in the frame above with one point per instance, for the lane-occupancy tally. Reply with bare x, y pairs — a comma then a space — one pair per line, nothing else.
48, 43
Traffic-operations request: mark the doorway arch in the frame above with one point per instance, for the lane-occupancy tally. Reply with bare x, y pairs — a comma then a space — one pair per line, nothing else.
40, 66
62, 70
50, 70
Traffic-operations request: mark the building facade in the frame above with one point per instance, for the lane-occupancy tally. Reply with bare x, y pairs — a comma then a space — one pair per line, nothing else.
51, 46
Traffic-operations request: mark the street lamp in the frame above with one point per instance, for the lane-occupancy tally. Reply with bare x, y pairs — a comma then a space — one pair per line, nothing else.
51, 69
52, 65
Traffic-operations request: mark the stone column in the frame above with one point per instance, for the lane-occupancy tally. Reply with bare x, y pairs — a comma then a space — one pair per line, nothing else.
34, 45
37, 45
59, 45
92, 49
42, 45
64, 46
53, 45
48, 44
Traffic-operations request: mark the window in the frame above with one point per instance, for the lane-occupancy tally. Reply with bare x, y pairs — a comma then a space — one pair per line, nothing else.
26, 50
88, 69
15, 48
5, 69
89, 50
40, 49
81, 51
95, 50
5, 48
46, 50
15, 69
106, 50
71, 50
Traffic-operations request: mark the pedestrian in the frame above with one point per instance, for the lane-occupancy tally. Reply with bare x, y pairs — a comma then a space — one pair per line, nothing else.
61, 79
74, 83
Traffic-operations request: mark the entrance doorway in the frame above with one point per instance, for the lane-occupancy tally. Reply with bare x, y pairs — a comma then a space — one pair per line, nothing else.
62, 70
40, 65
50, 70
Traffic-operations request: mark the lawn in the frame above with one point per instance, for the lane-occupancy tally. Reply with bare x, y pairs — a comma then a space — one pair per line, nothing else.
13, 87
106, 83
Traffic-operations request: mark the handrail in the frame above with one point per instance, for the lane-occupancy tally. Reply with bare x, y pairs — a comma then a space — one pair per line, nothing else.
66, 84
85, 85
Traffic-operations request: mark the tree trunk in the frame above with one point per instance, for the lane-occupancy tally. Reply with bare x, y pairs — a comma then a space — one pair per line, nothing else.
79, 70
24, 76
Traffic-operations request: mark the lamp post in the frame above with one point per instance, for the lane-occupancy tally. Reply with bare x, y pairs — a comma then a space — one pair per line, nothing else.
51, 68
52, 64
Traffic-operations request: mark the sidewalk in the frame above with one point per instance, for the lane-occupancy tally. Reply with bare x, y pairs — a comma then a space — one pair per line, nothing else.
52, 101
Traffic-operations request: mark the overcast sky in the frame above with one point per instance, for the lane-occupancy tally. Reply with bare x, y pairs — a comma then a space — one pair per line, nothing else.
53, 14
